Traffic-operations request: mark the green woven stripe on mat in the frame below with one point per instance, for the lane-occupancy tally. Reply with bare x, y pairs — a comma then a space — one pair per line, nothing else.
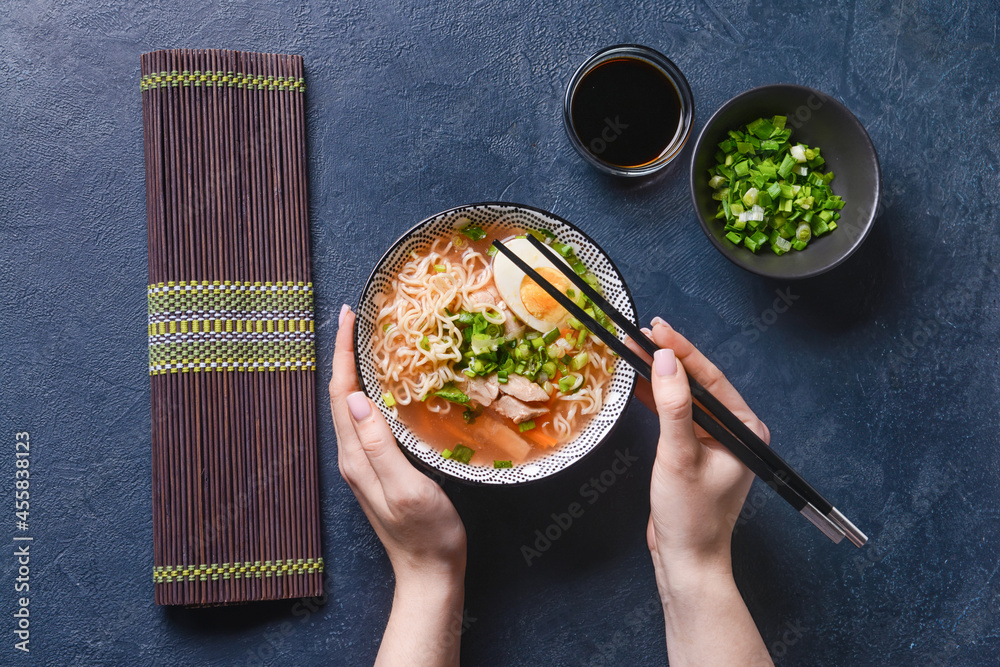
219, 325
230, 326
228, 79
241, 352
167, 574
249, 297
198, 365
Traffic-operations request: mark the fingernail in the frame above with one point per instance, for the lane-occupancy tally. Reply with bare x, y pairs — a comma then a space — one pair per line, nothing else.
360, 406
646, 331
343, 313
664, 362
659, 320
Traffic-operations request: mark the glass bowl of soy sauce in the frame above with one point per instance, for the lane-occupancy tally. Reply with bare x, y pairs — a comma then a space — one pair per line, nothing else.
628, 110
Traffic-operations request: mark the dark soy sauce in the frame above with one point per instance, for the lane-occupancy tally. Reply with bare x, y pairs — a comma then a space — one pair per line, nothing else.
626, 112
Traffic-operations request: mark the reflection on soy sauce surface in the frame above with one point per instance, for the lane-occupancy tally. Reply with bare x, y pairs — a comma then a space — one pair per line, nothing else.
626, 112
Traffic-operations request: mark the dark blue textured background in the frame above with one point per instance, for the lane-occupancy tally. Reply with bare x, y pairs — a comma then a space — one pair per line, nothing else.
880, 382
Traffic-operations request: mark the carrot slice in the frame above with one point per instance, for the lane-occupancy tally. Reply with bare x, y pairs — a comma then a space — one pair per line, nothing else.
539, 438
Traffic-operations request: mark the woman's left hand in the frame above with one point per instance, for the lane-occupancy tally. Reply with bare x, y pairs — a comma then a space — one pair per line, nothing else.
416, 522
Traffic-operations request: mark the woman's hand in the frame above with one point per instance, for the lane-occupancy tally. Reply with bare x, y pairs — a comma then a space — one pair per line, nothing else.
696, 493
416, 522
698, 486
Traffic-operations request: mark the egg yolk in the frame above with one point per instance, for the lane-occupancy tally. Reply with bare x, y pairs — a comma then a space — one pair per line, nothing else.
538, 302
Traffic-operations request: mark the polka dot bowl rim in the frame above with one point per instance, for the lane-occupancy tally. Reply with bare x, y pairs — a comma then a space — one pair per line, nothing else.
490, 215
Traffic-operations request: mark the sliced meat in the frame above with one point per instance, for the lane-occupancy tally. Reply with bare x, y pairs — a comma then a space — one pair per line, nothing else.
511, 327
483, 390
521, 387
513, 409
488, 430
483, 296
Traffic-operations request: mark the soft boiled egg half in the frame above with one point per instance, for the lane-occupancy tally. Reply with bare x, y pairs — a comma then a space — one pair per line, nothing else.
523, 296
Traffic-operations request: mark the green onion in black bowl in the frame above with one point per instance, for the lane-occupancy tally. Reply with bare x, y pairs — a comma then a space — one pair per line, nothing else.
814, 120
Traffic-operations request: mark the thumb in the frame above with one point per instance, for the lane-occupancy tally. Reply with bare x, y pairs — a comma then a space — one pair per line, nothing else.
672, 397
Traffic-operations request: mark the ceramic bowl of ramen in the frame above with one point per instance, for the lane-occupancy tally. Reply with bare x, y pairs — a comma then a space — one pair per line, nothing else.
481, 375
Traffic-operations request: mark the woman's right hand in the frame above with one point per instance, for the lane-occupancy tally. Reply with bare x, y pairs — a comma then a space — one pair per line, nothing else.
696, 493
698, 486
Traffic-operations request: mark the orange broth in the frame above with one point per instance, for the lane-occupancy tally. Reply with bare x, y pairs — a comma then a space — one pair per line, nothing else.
445, 430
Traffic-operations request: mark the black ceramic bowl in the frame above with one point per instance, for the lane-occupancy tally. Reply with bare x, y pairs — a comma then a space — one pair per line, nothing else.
816, 120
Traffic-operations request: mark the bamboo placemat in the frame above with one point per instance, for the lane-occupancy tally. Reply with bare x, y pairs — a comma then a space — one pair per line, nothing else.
231, 342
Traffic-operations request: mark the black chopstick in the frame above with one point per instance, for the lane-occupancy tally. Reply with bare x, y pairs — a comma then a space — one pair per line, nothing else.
760, 458
711, 403
716, 430
751, 440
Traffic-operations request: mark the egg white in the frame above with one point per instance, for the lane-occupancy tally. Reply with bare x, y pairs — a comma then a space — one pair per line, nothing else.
508, 279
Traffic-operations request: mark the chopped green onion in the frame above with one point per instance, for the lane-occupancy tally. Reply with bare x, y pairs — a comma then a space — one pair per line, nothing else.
440, 268
447, 454
466, 318
492, 250
450, 392
579, 361
570, 383
388, 399
551, 336
386, 327
563, 249
482, 343
786, 166
502, 464
462, 453
425, 344
526, 426
474, 232
780, 246
765, 183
